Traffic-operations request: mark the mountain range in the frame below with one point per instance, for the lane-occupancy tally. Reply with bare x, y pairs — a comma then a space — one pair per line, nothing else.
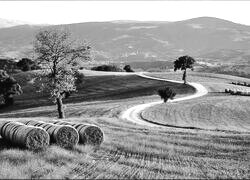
208, 39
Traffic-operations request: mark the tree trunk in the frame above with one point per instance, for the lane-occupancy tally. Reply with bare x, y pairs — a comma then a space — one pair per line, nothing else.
165, 100
60, 108
184, 77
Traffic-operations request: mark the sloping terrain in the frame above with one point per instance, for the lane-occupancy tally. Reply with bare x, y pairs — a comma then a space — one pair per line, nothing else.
129, 151
216, 111
207, 38
109, 87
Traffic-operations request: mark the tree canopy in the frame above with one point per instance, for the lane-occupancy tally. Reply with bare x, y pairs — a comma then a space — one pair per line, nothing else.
26, 64
166, 93
183, 63
59, 56
128, 68
8, 88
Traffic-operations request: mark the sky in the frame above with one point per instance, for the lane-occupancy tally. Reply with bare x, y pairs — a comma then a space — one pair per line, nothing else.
65, 12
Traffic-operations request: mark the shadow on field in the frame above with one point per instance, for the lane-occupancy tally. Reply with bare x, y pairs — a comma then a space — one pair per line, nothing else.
6, 145
98, 88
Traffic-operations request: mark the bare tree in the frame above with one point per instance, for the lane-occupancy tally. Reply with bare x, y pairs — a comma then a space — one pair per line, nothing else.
59, 57
183, 63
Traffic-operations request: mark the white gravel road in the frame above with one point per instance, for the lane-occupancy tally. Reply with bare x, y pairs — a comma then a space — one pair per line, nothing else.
133, 114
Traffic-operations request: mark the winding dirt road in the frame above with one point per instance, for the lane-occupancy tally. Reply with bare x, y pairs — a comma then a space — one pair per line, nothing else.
133, 114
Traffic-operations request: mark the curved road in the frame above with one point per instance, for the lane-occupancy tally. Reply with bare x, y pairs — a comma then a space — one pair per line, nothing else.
133, 114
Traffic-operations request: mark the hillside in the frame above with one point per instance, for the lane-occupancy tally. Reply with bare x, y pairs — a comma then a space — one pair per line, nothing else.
129, 151
5, 23
215, 111
206, 38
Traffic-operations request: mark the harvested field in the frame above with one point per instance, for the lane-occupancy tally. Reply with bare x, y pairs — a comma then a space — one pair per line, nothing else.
210, 112
216, 111
130, 151
213, 82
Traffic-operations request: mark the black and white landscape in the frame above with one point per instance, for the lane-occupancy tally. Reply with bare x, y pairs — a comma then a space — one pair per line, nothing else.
222, 45
125, 99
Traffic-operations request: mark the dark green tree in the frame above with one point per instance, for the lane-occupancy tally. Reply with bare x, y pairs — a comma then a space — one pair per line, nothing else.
8, 88
183, 63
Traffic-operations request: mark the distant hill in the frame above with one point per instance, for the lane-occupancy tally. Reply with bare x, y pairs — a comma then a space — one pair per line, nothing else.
5, 23
205, 38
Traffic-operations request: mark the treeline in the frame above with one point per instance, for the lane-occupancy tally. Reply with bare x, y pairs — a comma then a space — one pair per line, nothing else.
112, 68
12, 66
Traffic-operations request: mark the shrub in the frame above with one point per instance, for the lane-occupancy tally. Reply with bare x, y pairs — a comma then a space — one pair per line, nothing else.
127, 68
166, 93
112, 68
8, 88
26, 64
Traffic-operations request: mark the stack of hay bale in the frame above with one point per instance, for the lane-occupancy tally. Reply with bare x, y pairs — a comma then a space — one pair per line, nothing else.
237, 92
36, 135
33, 138
64, 135
88, 133
241, 84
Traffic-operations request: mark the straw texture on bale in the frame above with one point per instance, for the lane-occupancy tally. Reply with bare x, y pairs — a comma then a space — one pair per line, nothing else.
33, 138
88, 133
64, 135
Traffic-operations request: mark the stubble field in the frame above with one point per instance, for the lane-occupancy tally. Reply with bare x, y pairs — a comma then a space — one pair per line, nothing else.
129, 150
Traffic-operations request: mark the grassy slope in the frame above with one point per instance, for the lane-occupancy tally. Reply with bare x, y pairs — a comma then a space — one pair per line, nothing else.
217, 110
94, 88
129, 150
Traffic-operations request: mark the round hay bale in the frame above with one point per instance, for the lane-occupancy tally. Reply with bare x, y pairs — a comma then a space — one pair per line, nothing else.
63, 135
88, 133
226, 90
29, 137
33, 138
10, 128
91, 134
66, 136
2, 126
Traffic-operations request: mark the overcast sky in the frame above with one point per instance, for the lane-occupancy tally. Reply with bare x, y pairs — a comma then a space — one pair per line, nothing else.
64, 12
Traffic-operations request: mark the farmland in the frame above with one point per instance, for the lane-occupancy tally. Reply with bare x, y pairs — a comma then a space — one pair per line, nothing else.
130, 150
216, 111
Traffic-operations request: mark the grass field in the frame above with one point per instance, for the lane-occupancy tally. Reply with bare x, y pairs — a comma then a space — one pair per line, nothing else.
129, 151
216, 111
107, 87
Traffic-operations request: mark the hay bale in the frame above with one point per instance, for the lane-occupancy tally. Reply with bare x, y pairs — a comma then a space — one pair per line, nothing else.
227, 90
64, 135
3, 125
30, 137
88, 133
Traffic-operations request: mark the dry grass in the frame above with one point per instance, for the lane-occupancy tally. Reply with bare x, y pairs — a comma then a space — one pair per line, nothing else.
210, 112
216, 111
129, 151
